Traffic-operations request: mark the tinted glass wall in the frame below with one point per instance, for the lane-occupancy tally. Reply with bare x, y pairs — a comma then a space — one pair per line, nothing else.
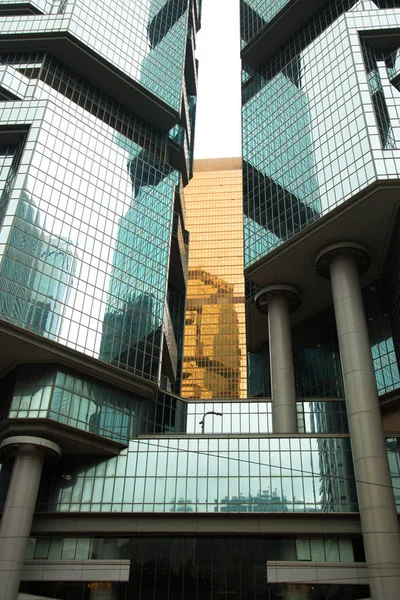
312, 137
222, 475
318, 372
205, 569
78, 400
87, 219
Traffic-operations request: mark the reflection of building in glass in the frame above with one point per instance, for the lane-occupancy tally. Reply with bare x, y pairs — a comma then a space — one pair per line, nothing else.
212, 352
97, 122
53, 280
66, 397
137, 324
215, 346
264, 501
134, 497
337, 474
37, 275
320, 129
280, 192
132, 331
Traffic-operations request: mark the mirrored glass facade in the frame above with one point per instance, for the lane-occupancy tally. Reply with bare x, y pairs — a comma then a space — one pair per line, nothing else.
89, 404
73, 400
209, 475
88, 188
208, 567
299, 164
151, 37
255, 417
320, 116
302, 548
317, 365
78, 277
104, 261
69, 269
220, 475
88, 194
215, 339
255, 14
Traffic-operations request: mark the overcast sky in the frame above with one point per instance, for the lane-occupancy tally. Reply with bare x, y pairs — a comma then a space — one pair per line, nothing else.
218, 109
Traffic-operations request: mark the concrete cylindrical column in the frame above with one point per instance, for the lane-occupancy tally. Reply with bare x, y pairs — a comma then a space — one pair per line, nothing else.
343, 263
278, 302
19, 508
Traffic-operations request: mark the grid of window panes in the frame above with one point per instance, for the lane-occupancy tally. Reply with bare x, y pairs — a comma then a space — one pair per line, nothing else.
255, 14
300, 548
151, 38
298, 162
9, 159
202, 580
78, 548
81, 401
382, 348
232, 417
322, 417
316, 362
85, 261
393, 451
215, 342
391, 280
256, 417
386, 3
376, 71
107, 485
164, 413
176, 304
318, 371
76, 400
259, 373
208, 475
43, 6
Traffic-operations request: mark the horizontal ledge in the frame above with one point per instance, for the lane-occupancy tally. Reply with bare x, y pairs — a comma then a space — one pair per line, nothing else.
278, 30
26, 347
97, 69
172, 523
73, 441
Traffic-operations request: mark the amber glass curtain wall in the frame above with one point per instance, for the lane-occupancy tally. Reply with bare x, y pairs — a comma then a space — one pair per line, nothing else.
215, 343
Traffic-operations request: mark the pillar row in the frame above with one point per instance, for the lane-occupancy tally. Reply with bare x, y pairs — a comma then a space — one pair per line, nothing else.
344, 263
278, 302
30, 453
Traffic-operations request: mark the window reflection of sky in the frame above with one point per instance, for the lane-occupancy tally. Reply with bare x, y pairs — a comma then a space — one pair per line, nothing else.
213, 475
322, 96
81, 182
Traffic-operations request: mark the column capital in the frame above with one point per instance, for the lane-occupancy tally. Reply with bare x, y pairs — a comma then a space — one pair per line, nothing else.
11, 445
359, 253
263, 297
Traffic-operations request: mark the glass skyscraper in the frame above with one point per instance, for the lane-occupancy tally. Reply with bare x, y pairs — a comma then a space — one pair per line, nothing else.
113, 486
214, 362
96, 144
320, 182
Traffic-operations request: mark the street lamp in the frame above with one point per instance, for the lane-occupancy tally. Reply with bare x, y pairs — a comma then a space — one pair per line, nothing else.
211, 412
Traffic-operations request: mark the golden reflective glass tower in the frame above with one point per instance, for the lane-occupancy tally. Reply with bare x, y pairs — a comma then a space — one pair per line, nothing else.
215, 343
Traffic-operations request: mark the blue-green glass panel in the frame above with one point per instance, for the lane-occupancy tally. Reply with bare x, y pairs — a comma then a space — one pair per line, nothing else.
214, 475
